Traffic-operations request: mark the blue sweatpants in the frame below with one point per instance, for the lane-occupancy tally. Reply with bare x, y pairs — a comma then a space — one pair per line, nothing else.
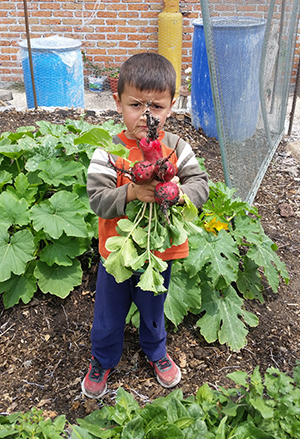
112, 304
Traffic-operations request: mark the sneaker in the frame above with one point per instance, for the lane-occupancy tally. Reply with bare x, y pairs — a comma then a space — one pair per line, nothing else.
94, 384
166, 372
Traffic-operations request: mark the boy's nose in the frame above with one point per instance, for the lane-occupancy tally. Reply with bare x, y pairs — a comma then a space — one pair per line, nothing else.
146, 112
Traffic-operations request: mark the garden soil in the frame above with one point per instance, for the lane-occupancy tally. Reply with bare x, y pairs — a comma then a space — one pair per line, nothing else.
45, 345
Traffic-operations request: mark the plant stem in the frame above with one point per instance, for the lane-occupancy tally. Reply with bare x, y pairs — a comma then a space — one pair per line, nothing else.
18, 166
137, 220
149, 226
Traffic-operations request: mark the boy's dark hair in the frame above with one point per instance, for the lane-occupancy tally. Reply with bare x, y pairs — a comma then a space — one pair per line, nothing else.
148, 71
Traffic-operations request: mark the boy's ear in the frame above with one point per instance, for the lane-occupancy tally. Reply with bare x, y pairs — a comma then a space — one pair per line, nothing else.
118, 102
170, 110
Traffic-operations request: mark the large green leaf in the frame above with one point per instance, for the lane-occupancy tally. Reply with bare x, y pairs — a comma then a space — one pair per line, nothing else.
218, 252
112, 127
184, 294
23, 189
168, 431
63, 250
199, 254
42, 151
249, 280
81, 433
246, 227
222, 318
76, 126
54, 171
13, 211
134, 429
55, 130
115, 265
69, 147
18, 288
63, 212
11, 150
264, 256
57, 279
224, 260
197, 430
100, 137
5, 177
15, 252
151, 279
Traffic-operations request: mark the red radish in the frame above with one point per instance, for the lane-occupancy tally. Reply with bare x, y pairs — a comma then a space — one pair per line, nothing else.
142, 172
164, 170
166, 194
151, 150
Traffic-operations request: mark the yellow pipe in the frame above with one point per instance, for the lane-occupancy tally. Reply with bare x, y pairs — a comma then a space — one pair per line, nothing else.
170, 36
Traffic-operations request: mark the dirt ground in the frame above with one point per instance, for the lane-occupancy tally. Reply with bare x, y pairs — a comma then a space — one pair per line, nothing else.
45, 345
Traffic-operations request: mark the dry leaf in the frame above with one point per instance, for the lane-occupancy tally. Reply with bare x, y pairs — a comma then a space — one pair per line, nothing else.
182, 362
75, 405
43, 402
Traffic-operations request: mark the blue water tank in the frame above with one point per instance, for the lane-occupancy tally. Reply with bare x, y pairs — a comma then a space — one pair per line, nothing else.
238, 45
57, 70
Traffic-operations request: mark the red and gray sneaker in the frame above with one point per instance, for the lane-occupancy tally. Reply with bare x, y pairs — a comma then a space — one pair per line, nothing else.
166, 372
94, 384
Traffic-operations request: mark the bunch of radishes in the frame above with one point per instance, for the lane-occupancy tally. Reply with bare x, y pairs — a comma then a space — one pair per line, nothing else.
155, 167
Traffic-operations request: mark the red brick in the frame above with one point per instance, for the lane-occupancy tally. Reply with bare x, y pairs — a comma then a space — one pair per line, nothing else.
140, 7
116, 37
127, 29
7, 5
127, 14
116, 51
128, 44
118, 23
137, 37
105, 29
70, 6
50, 6
115, 7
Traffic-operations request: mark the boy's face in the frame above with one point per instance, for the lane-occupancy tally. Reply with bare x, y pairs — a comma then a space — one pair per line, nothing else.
134, 103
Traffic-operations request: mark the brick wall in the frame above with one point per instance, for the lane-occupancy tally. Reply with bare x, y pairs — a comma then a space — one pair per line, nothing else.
110, 30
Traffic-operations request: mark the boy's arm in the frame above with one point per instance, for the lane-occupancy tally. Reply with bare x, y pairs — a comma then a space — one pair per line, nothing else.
106, 199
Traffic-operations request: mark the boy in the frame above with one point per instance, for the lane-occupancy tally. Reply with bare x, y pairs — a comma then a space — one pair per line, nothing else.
146, 83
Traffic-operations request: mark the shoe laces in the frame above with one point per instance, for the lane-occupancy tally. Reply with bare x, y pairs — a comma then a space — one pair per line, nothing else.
163, 363
97, 372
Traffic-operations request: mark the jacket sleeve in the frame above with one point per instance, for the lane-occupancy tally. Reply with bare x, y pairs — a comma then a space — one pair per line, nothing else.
194, 182
106, 199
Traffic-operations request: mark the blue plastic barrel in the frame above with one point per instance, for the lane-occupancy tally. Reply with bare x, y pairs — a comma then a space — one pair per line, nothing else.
58, 72
238, 45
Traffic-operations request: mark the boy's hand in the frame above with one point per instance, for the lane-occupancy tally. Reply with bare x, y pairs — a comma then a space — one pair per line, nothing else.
145, 192
142, 192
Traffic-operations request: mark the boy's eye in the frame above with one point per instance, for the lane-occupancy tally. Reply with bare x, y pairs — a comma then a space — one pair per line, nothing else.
156, 106
136, 104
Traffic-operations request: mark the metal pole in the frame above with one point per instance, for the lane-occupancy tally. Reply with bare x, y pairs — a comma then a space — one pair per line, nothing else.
297, 84
294, 99
29, 53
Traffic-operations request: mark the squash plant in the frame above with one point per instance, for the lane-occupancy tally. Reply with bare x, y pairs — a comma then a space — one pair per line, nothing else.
45, 219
